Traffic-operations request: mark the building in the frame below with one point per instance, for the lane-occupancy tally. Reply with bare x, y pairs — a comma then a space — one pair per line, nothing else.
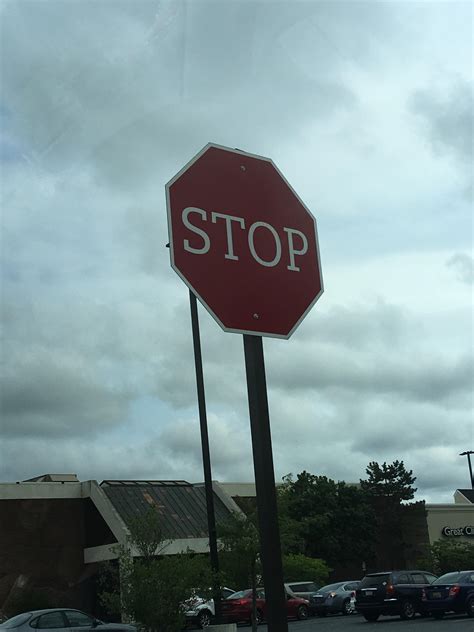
454, 521
55, 531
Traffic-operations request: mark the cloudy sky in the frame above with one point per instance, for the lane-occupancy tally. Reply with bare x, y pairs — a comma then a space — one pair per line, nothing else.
364, 106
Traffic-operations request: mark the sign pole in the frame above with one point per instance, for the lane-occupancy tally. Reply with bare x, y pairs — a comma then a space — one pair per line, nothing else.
206, 456
265, 485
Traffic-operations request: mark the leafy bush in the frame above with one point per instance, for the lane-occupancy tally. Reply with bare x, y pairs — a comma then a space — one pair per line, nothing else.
445, 556
297, 567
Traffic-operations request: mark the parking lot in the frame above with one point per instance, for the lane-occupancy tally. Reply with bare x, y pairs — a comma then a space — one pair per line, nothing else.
357, 623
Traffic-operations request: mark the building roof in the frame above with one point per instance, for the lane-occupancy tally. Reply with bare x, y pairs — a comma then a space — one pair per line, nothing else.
181, 505
467, 493
53, 478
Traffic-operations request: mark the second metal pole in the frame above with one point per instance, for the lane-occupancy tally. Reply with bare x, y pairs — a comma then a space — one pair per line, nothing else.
206, 456
470, 469
270, 546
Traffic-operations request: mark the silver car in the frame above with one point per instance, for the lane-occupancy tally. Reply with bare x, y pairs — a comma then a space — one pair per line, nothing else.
334, 598
61, 620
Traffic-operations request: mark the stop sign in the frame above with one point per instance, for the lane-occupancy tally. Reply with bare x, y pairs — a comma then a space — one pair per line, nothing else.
243, 242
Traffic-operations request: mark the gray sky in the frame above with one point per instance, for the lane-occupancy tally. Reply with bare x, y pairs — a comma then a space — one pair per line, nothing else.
366, 107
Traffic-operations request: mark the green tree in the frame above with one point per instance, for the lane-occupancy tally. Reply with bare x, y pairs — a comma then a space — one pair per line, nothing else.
298, 567
445, 556
391, 481
388, 486
152, 587
240, 554
322, 518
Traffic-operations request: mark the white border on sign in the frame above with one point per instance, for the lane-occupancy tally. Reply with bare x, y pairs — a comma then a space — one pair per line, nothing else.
190, 286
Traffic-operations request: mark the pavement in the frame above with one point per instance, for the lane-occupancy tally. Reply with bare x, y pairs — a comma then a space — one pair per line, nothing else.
357, 623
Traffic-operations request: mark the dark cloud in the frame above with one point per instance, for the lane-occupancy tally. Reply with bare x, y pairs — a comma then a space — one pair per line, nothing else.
463, 266
184, 71
448, 118
44, 396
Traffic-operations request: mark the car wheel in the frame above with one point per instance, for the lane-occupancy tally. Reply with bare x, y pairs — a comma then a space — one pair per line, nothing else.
302, 612
470, 607
438, 614
408, 610
371, 616
346, 607
204, 618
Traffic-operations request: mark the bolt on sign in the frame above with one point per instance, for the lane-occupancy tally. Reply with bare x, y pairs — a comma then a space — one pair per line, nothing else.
244, 242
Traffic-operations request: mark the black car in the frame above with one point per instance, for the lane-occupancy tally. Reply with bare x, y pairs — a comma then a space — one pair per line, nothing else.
453, 592
392, 593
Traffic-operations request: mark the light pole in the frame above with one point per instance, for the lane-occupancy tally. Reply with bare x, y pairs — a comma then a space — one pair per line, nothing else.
468, 454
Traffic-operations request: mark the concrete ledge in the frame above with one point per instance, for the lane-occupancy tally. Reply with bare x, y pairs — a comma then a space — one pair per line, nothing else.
223, 627
40, 491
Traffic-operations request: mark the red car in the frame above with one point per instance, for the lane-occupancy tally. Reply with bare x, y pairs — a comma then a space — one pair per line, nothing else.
238, 607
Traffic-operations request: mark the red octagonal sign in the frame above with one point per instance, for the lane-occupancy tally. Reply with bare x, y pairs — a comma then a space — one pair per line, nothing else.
244, 242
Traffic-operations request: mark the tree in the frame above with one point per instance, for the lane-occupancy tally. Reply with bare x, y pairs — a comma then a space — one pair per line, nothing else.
445, 556
322, 518
297, 567
391, 481
153, 588
240, 554
146, 534
388, 486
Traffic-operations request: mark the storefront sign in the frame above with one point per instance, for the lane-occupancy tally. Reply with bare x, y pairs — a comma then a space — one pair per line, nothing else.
458, 531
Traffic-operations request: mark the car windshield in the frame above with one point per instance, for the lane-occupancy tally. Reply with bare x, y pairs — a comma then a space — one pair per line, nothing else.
330, 587
241, 594
14, 622
449, 578
373, 581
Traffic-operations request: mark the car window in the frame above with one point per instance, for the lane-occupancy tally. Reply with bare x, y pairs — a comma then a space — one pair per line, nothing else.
374, 581
226, 592
330, 587
403, 578
351, 586
297, 587
468, 578
448, 578
79, 619
14, 622
240, 594
50, 620
430, 578
418, 578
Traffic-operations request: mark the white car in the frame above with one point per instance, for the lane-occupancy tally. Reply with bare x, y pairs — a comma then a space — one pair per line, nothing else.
201, 611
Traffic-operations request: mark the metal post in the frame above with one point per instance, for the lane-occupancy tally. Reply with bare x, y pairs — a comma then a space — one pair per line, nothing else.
265, 484
206, 457
470, 469
468, 454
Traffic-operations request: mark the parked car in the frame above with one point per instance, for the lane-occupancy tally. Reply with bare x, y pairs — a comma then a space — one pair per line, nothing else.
453, 592
238, 607
201, 611
392, 593
301, 589
334, 598
61, 620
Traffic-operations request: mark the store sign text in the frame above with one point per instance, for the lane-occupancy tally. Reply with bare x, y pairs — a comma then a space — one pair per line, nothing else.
458, 531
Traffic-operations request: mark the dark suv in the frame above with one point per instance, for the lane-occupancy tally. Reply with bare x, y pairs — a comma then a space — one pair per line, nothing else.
392, 593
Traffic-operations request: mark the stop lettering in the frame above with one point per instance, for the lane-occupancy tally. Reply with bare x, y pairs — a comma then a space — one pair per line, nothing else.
243, 242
